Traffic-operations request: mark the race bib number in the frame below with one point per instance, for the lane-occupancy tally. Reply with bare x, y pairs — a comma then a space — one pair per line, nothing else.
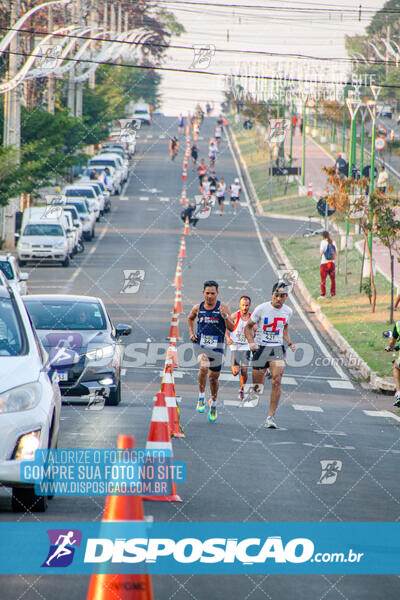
208, 341
241, 338
269, 337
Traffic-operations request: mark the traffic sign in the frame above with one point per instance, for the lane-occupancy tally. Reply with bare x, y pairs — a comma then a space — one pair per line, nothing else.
322, 208
285, 171
381, 130
380, 143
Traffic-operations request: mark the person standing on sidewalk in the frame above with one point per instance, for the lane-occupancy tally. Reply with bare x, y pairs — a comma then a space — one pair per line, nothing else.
382, 182
272, 321
328, 253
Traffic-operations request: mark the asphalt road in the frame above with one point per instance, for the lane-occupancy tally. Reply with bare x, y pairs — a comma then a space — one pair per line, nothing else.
236, 470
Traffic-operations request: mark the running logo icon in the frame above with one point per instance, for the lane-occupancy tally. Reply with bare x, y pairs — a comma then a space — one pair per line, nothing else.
62, 547
330, 471
132, 282
202, 56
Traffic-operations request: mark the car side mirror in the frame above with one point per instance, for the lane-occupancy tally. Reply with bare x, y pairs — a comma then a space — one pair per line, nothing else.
122, 329
24, 276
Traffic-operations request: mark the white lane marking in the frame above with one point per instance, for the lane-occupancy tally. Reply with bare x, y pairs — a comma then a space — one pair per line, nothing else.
330, 432
328, 446
305, 407
238, 403
343, 385
164, 198
123, 372
227, 377
123, 198
149, 136
87, 257
296, 305
288, 381
144, 198
162, 137
177, 374
381, 413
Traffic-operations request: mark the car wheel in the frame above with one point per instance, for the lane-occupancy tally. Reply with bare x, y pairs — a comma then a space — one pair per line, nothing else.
21, 263
93, 234
65, 262
25, 499
80, 247
114, 397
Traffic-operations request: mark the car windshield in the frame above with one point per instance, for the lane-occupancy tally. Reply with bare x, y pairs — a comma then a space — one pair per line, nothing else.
141, 112
81, 207
7, 269
43, 229
11, 340
105, 162
73, 213
79, 192
65, 315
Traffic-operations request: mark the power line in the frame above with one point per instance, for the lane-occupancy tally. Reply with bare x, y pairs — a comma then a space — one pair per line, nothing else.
212, 73
219, 50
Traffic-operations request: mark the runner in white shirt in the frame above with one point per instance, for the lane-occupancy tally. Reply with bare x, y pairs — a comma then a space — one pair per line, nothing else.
235, 190
272, 320
212, 152
205, 190
236, 340
220, 193
218, 134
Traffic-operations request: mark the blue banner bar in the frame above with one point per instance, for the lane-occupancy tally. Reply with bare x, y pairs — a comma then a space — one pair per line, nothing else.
196, 548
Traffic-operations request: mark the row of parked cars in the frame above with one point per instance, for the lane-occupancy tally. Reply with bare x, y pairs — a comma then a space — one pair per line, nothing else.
56, 232
51, 345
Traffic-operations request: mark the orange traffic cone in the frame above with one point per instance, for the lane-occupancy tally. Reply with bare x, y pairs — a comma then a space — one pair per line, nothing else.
172, 352
184, 174
168, 389
186, 231
182, 249
178, 309
183, 197
160, 439
174, 329
309, 192
127, 586
178, 275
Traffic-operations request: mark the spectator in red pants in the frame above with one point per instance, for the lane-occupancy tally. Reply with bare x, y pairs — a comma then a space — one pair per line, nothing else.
328, 253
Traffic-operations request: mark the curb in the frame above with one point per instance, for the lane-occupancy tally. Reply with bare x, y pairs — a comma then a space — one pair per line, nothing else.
354, 361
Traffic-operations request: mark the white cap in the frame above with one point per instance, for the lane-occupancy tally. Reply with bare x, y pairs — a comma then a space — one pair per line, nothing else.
237, 180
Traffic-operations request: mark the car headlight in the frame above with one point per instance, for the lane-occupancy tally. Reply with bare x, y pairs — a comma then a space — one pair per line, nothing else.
27, 444
24, 245
23, 397
100, 353
60, 244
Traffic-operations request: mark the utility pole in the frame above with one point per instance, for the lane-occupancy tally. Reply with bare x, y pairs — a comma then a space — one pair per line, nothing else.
50, 79
71, 82
76, 69
12, 125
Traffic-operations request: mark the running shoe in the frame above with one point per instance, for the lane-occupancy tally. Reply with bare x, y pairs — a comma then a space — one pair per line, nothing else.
213, 414
270, 423
201, 405
397, 399
241, 395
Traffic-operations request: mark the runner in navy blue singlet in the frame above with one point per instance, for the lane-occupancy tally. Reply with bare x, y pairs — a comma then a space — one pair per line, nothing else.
213, 319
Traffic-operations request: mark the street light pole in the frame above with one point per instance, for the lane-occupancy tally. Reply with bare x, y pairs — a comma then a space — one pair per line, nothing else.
344, 120
303, 156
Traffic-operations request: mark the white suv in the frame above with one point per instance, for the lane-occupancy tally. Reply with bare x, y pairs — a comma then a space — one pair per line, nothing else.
30, 403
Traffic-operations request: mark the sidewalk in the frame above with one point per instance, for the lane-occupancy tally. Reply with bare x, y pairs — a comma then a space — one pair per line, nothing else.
316, 159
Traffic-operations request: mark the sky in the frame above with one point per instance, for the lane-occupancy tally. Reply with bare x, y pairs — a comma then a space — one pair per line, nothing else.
294, 27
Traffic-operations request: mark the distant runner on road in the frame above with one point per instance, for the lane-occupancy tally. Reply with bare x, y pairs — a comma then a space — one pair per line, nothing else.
236, 339
173, 147
272, 320
213, 319
220, 193
235, 190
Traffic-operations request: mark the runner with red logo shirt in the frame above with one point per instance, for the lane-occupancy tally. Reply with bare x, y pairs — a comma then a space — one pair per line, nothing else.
272, 321
236, 339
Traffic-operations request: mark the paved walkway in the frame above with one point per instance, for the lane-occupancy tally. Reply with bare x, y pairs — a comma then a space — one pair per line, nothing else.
316, 159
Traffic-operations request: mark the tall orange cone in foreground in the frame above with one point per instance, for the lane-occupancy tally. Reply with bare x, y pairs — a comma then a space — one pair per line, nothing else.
160, 439
127, 586
168, 388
